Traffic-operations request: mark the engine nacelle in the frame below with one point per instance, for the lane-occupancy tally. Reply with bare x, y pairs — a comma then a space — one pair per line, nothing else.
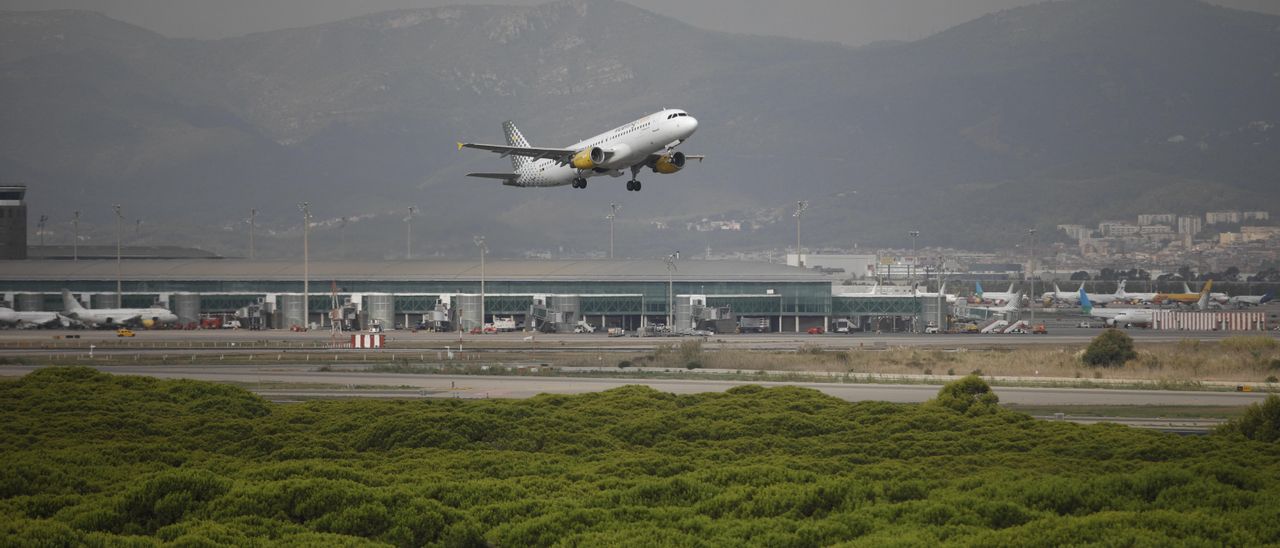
588, 158
669, 164
149, 323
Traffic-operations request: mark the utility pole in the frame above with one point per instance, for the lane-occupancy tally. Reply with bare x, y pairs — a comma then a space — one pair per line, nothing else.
801, 205
408, 236
911, 270
671, 269
253, 219
613, 214
119, 291
484, 249
75, 240
306, 264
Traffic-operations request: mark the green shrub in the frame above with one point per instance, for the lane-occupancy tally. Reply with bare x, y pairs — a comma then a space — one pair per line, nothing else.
970, 395
1261, 421
624, 364
1110, 349
693, 365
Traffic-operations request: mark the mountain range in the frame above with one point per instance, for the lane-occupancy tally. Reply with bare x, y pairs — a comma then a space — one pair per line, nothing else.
1073, 111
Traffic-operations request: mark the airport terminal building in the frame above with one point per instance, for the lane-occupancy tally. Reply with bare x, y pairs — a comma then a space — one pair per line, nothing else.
607, 293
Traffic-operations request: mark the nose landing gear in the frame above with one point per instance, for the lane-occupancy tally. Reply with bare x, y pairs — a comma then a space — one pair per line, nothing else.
579, 183
633, 185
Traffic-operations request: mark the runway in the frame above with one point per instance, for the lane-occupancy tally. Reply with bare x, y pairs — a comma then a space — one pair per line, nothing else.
344, 384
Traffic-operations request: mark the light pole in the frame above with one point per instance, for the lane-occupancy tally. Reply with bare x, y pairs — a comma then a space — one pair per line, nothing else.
484, 249
75, 240
253, 220
119, 293
671, 269
1031, 264
408, 235
613, 214
40, 228
801, 205
911, 270
305, 207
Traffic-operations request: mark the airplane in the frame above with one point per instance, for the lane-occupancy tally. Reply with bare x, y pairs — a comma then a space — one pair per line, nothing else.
942, 290
648, 142
1061, 296
1113, 317
27, 320
1142, 317
1186, 297
1135, 297
1242, 301
995, 296
147, 317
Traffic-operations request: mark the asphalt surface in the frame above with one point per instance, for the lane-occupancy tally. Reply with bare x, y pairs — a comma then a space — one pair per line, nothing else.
485, 386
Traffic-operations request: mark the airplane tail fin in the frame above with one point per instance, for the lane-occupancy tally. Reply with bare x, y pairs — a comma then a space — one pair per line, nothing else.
69, 303
978, 290
1084, 301
1203, 303
515, 139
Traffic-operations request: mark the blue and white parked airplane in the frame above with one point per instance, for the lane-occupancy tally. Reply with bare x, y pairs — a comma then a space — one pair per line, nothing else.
649, 142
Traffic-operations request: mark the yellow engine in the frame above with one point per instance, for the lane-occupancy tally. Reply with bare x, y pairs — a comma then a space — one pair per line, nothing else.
590, 158
148, 323
669, 164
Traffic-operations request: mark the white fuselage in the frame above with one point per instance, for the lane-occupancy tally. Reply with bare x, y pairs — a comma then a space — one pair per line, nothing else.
26, 319
628, 146
1123, 316
121, 316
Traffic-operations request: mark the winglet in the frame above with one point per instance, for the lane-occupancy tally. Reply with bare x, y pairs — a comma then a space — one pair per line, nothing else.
459, 145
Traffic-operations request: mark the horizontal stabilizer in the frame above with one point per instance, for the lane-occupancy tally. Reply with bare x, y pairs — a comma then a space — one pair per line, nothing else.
501, 176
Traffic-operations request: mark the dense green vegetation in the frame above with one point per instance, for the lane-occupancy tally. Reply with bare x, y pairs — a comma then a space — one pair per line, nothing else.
89, 458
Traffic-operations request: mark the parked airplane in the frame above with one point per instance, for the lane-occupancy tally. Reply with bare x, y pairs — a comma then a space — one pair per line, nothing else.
1242, 301
1116, 317
1131, 316
645, 143
147, 317
1058, 295
1187, 297
1134, 297
27, 320
942, 290
996, 296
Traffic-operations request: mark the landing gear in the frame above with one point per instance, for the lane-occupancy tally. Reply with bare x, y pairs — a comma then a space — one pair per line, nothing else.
633, 185
579, 183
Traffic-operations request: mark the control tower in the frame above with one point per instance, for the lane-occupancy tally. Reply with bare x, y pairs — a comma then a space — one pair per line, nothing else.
13, 222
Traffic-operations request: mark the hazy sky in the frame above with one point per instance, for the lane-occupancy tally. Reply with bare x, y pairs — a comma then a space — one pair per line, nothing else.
853, 22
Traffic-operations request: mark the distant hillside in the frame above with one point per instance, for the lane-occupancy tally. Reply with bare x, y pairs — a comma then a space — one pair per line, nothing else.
1062, 111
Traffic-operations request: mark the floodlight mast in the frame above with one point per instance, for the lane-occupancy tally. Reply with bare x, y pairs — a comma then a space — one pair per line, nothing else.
484, 249
119, 292
801, 206
613, 214
305, 207
671, 268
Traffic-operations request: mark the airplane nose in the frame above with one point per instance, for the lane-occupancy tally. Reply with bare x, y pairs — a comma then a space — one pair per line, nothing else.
693, 124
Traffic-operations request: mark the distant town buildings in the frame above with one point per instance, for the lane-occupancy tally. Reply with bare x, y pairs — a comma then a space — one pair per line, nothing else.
1190, 225
1157, 219
1222, 217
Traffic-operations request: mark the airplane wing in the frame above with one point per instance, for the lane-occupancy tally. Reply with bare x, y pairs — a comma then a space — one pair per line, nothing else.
501, 176
561, 155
